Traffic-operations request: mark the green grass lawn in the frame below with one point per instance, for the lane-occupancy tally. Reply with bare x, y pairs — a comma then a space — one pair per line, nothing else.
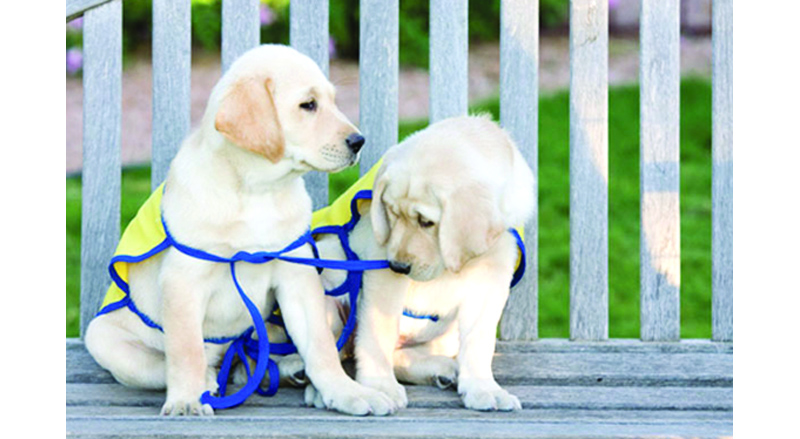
553, 212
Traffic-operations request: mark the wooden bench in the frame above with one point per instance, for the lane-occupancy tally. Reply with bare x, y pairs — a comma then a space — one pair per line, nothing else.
589, 385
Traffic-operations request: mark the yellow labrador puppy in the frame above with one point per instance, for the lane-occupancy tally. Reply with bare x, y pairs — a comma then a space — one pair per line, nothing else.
442, 203
235, 185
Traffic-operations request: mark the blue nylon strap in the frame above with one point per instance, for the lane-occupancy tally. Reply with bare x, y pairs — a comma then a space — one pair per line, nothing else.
262, 361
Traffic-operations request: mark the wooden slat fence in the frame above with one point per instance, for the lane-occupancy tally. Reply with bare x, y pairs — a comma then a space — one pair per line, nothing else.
660, 170
659, 118
588, 169
102, 122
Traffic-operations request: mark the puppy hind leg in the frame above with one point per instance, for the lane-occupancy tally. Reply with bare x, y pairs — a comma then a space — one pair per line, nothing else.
122, 353
430, 363
415, 365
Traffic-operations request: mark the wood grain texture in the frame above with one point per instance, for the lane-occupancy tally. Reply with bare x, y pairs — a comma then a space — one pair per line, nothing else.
101, 177
616, 388
172, 72
420, 397
722, 171
378, 78
308, 33
240, 29
449, 49
408, 423
538, 367
519, 115
588, 170
659, 72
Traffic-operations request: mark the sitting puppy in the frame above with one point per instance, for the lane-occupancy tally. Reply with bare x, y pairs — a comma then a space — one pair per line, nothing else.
234, 187
441, 208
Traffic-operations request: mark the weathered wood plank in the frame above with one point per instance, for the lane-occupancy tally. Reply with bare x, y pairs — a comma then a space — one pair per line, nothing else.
308, 33
449, 49
588, 170
172, 62
547, 368
76, 8
519, 115
615, 345
722, 171
659, 72
413, 423
240, 29
378, 78
531, 397
101, 178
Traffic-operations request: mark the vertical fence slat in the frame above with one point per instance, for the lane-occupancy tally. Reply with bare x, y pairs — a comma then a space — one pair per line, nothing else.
519, 110
449, 47
722, 171
172, 62
588, 169
378, 78
102, 107
659, 71
308, 33
240, 29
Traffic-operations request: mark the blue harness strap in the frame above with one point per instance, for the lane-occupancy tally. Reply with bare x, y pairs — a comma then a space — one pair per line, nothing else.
244, 345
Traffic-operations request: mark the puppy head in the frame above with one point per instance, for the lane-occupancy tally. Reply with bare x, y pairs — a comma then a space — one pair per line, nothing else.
427, 225
275, 101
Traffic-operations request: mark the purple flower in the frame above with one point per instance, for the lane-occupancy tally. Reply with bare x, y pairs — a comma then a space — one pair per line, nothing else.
613, 4
266, 15
74, 60
76, 24
331, 47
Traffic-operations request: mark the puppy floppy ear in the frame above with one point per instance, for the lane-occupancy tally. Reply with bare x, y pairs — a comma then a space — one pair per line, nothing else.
377, 214
248, 118
470, 225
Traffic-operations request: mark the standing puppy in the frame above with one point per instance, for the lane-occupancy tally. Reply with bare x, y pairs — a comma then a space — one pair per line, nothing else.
234, 186
442, 205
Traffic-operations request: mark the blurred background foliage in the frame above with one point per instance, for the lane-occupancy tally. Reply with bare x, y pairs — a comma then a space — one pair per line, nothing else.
484, 25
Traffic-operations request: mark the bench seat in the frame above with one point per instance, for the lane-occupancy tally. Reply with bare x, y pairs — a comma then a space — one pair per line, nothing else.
619, 388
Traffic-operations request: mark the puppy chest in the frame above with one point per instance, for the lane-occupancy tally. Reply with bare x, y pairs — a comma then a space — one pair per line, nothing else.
226, 312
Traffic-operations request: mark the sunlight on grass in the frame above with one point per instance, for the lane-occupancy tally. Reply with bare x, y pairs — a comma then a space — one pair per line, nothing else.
553, 211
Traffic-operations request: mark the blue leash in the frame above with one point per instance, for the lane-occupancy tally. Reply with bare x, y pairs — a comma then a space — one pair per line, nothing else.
244, 345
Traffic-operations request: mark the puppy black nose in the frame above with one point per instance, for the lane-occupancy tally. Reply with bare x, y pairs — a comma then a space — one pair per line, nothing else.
355, 142
399, 267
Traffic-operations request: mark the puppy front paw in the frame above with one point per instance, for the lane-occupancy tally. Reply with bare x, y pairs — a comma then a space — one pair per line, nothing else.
389, 387
355, 400
487, 397
184, 407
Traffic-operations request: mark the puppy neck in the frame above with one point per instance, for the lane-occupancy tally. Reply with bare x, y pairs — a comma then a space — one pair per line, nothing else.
249, 172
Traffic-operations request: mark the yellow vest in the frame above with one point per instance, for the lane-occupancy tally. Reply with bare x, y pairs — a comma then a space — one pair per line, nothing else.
145, 235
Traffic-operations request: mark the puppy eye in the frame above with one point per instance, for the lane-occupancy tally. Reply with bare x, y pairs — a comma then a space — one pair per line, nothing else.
309, 105
425, 223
